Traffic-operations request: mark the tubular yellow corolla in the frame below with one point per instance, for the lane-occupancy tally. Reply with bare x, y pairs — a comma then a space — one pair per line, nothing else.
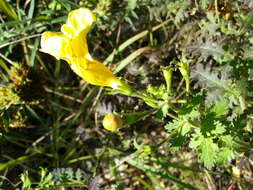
71, 45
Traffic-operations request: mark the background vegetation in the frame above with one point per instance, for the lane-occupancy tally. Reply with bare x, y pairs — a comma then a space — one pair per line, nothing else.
195, 57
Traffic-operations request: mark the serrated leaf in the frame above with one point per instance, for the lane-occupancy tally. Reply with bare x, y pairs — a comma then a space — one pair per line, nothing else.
207, 78
220, 108
180, 126
211, 127
196, 139
180, 129
191, 109
194, 114
181, 15
227, 140
225, 155
205, 147
216, 83
209, 48
179, 137
208, 27
207, 124
208, 151
219, 128
172, 125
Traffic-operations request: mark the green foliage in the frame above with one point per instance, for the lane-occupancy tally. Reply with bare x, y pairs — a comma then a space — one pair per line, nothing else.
8, 97
189, 68
6, 8
207, 149
211, 147
180, 130
218, 84
58, 178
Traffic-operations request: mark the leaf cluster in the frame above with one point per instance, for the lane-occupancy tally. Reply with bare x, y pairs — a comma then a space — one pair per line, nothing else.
58, 178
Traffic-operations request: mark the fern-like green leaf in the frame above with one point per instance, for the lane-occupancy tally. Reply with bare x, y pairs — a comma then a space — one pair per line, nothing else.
179, 131
208, 152
225, 155
209, 48
205, 147
217, 84
220, 108
226, 152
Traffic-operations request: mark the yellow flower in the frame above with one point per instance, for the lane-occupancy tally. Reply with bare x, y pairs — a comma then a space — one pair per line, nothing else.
112, 122
71, 45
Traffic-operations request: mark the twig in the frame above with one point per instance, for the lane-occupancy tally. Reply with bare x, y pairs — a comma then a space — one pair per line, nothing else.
62, 95
20, 40
6, 59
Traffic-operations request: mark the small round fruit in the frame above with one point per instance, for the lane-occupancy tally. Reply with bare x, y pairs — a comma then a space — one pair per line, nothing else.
112, 122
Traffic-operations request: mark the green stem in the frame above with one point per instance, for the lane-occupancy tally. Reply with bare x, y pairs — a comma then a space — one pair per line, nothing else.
193, 125
217, 9
132, 40
151, 102
173, 116
127, 90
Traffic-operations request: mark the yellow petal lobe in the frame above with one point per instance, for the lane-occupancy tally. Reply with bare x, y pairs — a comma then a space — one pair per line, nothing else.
71, 45
79, 22
79, 46
94, 72
56, 44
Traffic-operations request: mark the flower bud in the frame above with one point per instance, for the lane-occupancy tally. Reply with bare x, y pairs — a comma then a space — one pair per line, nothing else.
184, 68
112, 122
167, 73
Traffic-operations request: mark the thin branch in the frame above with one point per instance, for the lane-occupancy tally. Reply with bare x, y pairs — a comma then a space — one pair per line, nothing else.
62, 95
20, 40
6, 59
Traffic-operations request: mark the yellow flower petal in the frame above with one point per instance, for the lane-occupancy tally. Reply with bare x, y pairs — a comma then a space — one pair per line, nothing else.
94, 72
78, 23
67, 30
71, 45
56, 44
79, 46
